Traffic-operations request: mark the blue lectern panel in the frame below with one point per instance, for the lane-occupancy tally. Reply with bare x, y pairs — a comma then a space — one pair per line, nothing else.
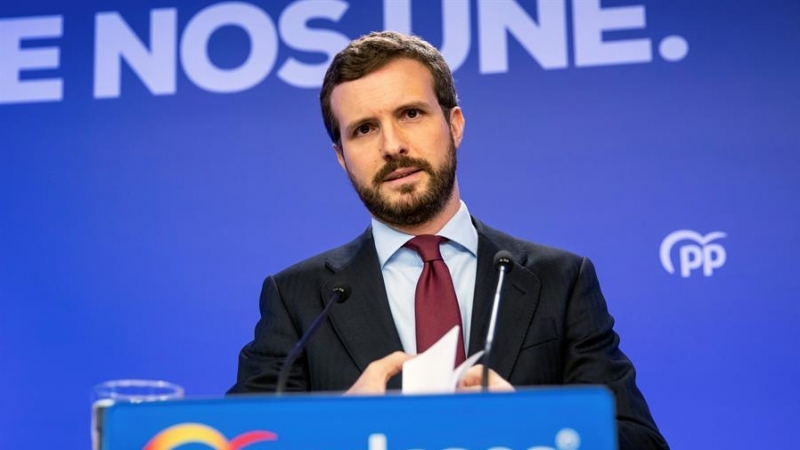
563, 419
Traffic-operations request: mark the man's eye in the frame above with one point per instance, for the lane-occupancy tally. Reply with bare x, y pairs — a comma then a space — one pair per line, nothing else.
363, 129
412, 113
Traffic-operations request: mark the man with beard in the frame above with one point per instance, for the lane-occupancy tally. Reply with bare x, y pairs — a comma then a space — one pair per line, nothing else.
390, 107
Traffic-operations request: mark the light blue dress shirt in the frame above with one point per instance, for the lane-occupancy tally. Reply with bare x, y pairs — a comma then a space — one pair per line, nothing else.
401, 268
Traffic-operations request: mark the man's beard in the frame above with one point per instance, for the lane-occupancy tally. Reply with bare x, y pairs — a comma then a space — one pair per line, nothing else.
418, 207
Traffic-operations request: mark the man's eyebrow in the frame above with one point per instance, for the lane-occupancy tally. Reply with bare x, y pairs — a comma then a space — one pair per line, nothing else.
413, 105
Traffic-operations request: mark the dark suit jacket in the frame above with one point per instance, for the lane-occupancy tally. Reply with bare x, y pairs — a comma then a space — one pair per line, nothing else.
553, 326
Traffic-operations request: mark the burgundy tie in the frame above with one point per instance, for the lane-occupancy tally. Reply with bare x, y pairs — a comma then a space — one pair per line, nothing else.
436, 306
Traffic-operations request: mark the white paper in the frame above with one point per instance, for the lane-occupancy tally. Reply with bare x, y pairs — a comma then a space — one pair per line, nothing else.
463, 368
432, 371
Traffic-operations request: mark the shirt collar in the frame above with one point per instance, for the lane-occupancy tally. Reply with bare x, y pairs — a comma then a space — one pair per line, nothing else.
459, 230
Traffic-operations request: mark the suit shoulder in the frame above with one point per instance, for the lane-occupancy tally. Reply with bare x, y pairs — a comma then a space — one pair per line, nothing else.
326, 261
532, 254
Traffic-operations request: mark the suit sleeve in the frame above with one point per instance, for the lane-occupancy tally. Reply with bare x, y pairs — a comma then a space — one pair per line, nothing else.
260, 361
593, 357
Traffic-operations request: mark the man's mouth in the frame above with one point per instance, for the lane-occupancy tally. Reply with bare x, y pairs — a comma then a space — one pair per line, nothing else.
401, 173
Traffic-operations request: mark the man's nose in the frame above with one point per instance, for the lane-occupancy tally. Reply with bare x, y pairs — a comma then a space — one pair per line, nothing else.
394, 141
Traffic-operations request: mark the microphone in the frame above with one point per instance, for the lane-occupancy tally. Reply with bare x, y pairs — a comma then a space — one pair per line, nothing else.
503, 262
338, 295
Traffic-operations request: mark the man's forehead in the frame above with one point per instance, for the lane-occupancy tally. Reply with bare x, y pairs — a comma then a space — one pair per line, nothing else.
399, 82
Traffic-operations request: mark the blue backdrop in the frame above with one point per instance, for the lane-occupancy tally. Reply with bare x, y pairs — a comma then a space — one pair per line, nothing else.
158, 159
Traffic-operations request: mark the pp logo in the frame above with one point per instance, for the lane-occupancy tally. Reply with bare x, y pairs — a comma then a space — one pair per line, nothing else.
699, 252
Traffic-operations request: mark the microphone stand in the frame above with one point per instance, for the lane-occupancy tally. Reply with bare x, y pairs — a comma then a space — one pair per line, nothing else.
338, 295
503, 263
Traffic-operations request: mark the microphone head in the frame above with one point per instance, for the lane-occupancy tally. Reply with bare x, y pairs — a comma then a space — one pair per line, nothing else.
503, 261
344, 292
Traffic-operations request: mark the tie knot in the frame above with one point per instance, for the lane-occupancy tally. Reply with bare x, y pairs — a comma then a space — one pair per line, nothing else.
427, 245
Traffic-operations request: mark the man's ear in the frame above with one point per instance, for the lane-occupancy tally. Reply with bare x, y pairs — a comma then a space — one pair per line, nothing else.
339, 154
457, 125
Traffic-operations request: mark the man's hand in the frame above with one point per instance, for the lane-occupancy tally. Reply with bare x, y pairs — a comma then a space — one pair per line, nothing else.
373, 380
472, 381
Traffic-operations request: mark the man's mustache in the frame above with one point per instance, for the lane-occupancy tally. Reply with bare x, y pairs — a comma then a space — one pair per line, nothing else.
399, 163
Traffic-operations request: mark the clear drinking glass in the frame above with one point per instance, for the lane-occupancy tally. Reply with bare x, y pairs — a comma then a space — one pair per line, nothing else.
127, 391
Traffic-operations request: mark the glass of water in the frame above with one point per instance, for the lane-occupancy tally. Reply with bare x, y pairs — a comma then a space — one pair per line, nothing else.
127, 391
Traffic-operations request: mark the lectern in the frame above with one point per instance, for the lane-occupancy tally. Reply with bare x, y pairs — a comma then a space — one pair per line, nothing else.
569, 418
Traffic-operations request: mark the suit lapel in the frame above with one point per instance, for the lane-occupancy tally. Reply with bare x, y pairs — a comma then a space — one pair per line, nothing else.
518, 301
485, 281
364, 322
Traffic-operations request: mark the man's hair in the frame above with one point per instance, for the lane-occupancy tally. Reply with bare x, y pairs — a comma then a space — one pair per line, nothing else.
375, 50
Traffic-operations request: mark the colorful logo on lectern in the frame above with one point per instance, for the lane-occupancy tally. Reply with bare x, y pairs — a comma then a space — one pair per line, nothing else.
197, 433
